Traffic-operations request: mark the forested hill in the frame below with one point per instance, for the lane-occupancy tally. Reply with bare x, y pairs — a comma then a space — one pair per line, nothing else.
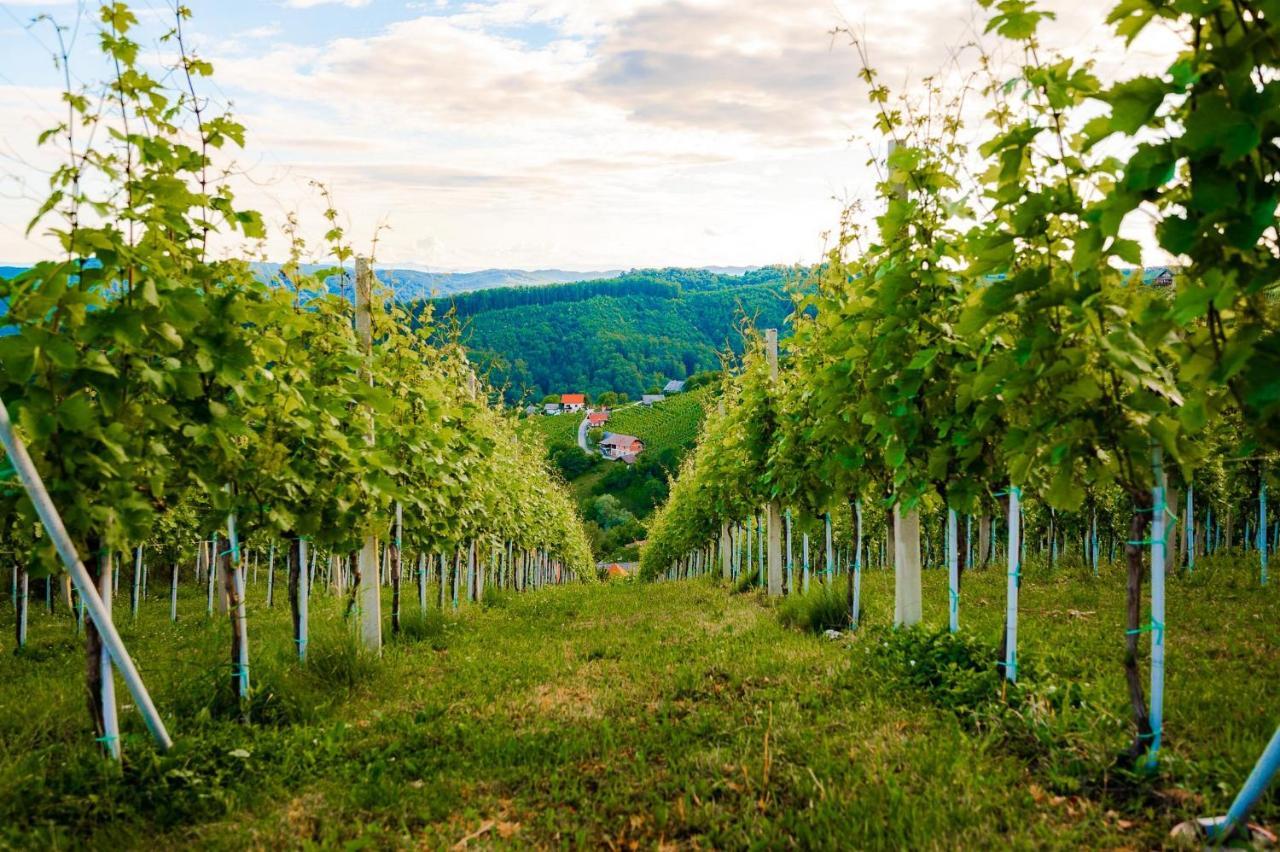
623, 334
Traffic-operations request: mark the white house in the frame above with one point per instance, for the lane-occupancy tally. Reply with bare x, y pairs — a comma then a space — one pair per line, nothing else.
673, 386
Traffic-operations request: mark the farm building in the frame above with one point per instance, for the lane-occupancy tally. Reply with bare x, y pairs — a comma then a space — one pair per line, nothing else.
673, 386
621, 447
573, 401
597, 418
651, 398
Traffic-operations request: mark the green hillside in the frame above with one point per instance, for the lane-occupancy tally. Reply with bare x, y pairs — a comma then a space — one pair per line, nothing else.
617, 498
670, 425
560, 430
624, 334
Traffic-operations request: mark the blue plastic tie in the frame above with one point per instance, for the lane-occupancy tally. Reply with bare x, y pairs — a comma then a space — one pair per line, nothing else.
1152, 626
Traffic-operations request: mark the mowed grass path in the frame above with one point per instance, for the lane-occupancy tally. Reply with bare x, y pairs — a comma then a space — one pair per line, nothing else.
631, 716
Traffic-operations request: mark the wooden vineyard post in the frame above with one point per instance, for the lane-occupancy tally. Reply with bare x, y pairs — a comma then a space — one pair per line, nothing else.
907, 605
370, 593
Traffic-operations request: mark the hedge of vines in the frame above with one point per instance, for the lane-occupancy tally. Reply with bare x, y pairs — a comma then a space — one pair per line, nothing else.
981, 333
162, 386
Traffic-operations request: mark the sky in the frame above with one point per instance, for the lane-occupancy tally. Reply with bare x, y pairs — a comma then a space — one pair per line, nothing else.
534, 134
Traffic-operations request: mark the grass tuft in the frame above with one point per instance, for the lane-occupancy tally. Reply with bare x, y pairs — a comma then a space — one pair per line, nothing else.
822, 609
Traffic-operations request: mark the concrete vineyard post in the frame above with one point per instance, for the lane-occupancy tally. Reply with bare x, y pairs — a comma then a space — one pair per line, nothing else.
89, 594
422, 581
760, 548
726, 552
1191, 529
209, 579
304, 592
22, 602
1262, 526
856, 608
271, 576
907, 603
370, 594
1254, 786
830, 563
804, 567
1093, 538
775, 550
1159, 531
110, 738
234, 582
791, 574
137, 582
394, 558
1011, 606
953, 570
173, 592
774, 510
440, 570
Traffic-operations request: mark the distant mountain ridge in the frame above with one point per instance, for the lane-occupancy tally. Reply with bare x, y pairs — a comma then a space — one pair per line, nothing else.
414, 284
627, 333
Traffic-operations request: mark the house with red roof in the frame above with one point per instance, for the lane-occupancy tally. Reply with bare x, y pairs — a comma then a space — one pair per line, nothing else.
573, 401
595, 419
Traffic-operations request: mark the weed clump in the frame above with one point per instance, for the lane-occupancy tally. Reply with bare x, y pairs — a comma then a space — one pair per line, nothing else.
822, 608
430, 626
747, 581
335, 659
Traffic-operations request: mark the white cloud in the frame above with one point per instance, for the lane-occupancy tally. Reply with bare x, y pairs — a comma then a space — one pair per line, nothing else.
590, 133
309, 4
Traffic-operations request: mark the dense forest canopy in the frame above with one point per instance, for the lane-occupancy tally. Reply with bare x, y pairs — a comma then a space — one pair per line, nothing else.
624, 334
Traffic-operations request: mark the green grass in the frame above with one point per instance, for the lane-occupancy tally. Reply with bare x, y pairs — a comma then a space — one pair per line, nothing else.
674, 713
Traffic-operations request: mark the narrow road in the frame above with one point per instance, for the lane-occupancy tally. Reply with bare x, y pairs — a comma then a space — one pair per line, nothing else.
582, 435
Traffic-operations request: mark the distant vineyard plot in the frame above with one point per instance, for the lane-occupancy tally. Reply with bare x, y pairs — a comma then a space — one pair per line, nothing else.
670, 424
